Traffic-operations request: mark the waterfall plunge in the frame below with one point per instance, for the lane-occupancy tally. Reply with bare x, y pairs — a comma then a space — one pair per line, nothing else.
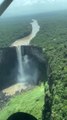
25, 73
20, 64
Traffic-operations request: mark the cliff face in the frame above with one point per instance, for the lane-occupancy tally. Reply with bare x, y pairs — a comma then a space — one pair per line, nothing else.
8, 61
9, 64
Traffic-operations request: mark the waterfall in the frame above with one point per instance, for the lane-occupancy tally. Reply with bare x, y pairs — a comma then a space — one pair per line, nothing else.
19, 56
25, 73
20, 64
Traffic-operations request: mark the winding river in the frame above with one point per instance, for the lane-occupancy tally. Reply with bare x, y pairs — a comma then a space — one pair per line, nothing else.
26, 40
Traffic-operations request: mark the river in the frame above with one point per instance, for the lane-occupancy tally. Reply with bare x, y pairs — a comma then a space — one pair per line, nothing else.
26, 40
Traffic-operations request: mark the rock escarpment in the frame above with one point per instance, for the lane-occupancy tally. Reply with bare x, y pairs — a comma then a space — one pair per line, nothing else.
9, 64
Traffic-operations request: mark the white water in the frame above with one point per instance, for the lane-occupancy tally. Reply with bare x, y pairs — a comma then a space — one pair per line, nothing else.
25, 70
20, 67
35, 28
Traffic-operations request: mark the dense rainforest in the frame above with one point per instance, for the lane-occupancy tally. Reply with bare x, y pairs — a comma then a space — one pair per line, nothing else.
52, 37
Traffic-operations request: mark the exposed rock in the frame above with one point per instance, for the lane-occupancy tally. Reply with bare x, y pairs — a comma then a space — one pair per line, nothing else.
3, 99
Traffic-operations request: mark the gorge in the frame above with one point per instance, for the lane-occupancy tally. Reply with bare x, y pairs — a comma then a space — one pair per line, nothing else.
24, 64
